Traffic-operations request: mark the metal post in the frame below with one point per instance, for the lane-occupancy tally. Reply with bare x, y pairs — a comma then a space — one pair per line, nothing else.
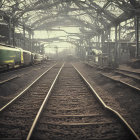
102, 39
9, 42
14, 43
109, 52
119, 40
115, 49
30, 41
102, 45
137, 35
119, 32
98, 41
24, 44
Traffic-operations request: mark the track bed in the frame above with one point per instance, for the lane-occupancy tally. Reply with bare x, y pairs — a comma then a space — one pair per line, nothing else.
16, 120
73, 112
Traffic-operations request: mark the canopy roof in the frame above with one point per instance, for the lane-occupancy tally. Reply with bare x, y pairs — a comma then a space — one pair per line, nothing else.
90, 16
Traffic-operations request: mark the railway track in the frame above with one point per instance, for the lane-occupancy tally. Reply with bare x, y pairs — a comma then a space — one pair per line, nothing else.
9, 79
12, 83
129, 72
14, 69
16, 116
66, 109
134, 76
118, 96
17, 75
128, 80
20, 71
72, 112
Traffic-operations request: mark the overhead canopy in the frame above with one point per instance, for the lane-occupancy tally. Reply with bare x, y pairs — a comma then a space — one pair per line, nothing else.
90, 16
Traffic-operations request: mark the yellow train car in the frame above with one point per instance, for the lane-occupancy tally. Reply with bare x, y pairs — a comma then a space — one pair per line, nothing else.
10, 57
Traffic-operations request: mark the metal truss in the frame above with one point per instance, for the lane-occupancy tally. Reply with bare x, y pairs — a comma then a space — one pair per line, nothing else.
92, 16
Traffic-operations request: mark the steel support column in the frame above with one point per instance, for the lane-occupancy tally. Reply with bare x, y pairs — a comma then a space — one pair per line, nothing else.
119, 32
115, 49
14, 43
10, 34
137, 28
24, 43
119, 41
102, 39
30, 40
109, 47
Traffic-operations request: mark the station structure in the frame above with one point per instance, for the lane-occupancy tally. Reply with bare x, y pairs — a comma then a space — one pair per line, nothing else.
70, 69
111, 25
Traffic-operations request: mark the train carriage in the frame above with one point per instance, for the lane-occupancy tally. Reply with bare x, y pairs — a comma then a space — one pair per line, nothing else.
9, 57
27, 57
38, 58
12, 57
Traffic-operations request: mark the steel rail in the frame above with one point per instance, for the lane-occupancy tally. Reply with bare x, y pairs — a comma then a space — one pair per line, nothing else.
134, 72
120, 81
43, 105
17, 76
13, 70
17, 69
124, 74
107, 107
10, 79
22, 92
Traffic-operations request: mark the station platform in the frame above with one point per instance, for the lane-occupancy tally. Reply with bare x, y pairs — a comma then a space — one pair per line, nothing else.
132, 66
